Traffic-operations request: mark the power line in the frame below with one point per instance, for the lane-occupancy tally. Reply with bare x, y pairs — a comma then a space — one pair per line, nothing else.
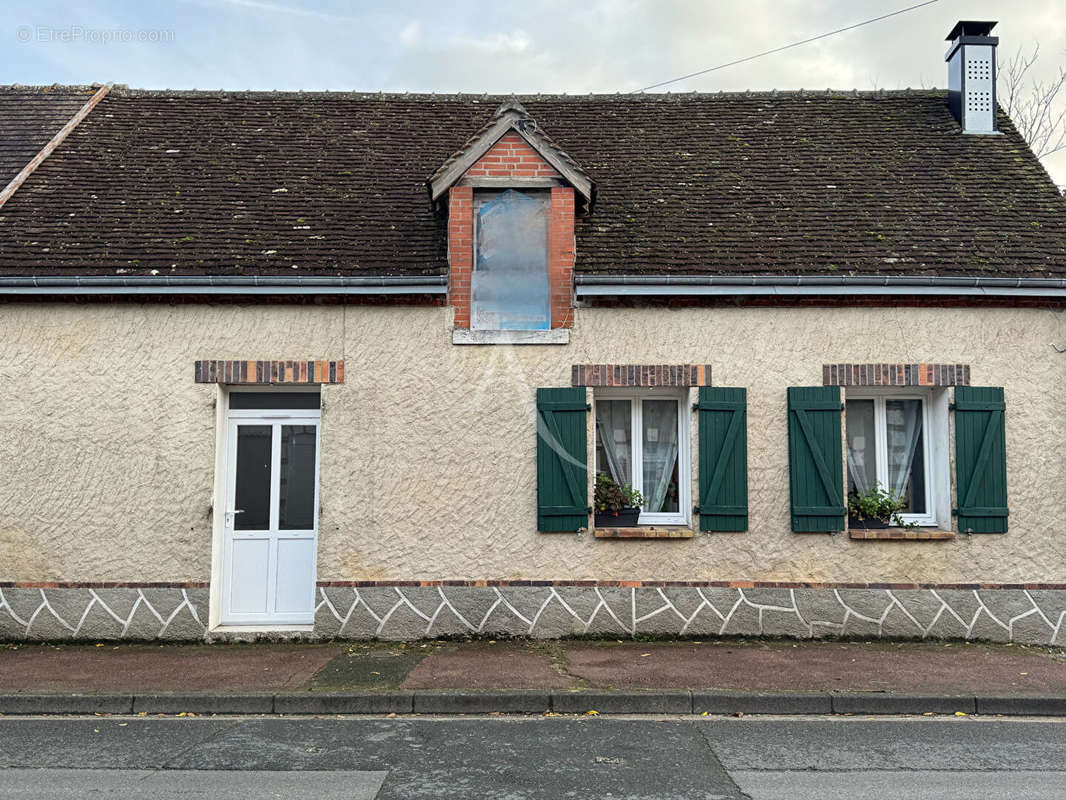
786, 47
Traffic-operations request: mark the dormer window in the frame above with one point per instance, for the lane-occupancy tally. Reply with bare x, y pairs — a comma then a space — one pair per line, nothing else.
511, 195
509, 287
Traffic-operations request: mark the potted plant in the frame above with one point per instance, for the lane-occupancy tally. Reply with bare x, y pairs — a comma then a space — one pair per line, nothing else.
876, 508
616, 506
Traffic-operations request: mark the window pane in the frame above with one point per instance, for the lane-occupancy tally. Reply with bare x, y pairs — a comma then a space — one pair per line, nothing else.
862, 459
510, 281
906, 467
271, 400
614, 450
659, 440
296, 498
252, 495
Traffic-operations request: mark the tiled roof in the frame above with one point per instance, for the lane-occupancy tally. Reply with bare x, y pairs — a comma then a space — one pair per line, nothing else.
29, 117
334, 183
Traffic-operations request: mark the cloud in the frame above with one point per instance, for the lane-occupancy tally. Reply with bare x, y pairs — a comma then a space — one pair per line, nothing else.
261, 5
411, 33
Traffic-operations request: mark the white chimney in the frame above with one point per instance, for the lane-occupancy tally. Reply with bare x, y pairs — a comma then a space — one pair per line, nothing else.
972, 75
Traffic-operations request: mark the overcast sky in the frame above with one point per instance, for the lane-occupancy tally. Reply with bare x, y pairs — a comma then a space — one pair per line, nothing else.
530, 46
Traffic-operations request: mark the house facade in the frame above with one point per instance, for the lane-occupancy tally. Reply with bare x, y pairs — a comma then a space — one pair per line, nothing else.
348, 365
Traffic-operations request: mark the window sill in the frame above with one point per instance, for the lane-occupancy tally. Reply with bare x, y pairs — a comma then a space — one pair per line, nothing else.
469, 336
661, 532
902, 534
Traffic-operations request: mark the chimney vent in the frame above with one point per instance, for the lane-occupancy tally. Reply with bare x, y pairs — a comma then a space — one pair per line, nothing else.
972, 75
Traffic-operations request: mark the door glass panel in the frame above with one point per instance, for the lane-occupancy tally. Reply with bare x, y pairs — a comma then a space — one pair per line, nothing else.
862, 443
614, 450
906, 466
252, 496
659, 440
296, 498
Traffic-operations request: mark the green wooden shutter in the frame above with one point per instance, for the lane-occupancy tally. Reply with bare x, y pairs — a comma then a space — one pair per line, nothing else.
816, 468
980, 459
723, 459
562, 466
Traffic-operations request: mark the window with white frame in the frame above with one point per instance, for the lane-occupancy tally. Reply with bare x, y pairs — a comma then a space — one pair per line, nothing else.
642, 442
897, 441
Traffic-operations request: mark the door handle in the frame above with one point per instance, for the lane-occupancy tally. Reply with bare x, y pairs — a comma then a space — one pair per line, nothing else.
231, 516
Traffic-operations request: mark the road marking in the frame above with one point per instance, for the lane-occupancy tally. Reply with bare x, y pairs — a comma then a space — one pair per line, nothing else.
137, 784
901, 785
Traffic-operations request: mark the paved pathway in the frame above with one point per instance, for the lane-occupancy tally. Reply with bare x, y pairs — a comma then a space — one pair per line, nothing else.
925, 668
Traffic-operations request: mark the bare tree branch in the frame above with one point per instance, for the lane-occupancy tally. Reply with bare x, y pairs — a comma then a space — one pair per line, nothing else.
1038, 108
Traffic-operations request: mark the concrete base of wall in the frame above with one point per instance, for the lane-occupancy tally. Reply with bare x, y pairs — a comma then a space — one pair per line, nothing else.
1030, 616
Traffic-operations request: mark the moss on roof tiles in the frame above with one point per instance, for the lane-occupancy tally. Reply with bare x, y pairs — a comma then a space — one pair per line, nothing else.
689, 183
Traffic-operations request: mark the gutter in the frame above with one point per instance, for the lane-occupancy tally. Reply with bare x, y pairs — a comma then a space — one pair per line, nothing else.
222, 285
815, 286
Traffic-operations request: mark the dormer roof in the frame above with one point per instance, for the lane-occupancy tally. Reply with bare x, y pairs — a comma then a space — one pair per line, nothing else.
510, 116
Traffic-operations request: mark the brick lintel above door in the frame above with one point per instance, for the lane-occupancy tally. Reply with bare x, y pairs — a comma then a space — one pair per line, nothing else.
269, 372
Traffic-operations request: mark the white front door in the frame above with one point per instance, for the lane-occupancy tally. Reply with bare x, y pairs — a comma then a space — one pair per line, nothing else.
270, 527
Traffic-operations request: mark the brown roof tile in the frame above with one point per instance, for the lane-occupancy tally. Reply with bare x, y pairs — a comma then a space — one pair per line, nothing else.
29, 117
334, 183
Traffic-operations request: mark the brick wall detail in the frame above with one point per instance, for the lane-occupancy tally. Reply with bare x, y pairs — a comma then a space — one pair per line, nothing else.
561, 255
279, 371
640, 375
460, 251
895, 374
511, 157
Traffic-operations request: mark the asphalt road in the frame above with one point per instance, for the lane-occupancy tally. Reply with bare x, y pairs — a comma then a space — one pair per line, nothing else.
531, 757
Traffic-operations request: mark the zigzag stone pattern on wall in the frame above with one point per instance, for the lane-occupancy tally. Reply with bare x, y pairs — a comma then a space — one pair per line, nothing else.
86, 613
1030, 616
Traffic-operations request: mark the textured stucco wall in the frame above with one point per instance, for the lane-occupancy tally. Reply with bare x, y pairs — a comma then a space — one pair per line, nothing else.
107, 447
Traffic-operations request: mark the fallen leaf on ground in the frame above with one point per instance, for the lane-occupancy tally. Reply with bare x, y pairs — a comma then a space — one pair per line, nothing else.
961, 714
592, 713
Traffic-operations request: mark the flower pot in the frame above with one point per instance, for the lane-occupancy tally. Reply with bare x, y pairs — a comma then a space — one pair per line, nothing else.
869, 524
626, 518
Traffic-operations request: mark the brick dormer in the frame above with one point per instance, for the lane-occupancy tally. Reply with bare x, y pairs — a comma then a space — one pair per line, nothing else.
511, 186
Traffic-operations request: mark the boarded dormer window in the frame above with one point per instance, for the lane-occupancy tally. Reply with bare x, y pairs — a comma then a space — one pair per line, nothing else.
509, 286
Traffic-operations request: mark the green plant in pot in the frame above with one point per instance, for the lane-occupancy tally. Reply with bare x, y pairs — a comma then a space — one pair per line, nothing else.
616, 506
876, 508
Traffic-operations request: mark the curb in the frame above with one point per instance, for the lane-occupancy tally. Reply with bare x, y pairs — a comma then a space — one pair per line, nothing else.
505, 701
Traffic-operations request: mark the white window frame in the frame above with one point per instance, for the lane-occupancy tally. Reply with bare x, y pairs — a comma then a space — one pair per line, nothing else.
934, 447
637, 396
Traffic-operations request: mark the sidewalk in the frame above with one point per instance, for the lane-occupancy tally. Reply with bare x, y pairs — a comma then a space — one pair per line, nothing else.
569, 676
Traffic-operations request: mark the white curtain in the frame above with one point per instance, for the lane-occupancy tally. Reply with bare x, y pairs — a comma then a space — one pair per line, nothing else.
613, 424
904, 429
862, 466
660, 451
